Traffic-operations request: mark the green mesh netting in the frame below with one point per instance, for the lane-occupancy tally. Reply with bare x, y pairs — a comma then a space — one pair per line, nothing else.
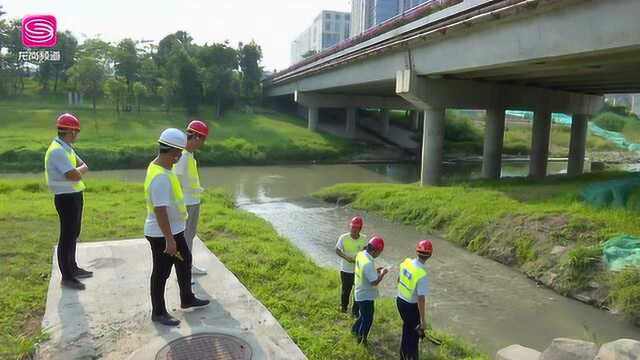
621, 193
622, 251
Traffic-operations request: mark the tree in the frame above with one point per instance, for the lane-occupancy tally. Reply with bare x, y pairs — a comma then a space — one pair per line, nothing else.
88, 75
150, 74
220, 63
116, 91
187, 79
139, 92
250, 56
167, 90
68, 47
127, 63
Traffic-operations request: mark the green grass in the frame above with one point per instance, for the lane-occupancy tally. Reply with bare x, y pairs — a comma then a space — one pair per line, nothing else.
517, 222
109, 141
301, 295
628, 125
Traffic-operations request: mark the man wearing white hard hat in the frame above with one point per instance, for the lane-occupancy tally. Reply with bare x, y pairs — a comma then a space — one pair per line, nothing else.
165, 225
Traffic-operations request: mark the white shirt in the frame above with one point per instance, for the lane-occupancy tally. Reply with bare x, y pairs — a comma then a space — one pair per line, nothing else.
366, 291
422, 287
181, 168
346, 266
57, 166
161, 195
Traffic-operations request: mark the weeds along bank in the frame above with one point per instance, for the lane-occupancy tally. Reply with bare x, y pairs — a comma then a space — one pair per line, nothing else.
301, 295
542, 228
109, 141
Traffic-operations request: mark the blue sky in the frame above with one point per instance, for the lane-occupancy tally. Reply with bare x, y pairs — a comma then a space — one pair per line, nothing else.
273, 24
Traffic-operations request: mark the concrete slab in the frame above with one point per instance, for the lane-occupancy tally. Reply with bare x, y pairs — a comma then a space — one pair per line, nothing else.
111, 319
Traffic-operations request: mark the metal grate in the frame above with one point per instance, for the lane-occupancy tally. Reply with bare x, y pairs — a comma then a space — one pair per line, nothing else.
206, 347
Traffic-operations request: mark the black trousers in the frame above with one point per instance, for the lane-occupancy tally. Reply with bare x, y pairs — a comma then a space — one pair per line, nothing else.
410, 320
69, 208
347, 285
363, 324
162, 264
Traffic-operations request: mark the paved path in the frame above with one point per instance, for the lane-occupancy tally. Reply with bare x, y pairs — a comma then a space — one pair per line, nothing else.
111, 318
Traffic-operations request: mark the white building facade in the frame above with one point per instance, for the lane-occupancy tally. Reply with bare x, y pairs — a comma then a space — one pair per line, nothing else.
328, 29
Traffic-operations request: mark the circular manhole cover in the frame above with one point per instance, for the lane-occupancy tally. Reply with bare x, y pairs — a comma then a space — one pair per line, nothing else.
206, 347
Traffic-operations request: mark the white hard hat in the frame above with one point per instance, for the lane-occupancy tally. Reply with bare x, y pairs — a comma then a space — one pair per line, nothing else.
174, 138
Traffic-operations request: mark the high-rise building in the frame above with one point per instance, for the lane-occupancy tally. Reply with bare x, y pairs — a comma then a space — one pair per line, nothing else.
368, 13
328, 29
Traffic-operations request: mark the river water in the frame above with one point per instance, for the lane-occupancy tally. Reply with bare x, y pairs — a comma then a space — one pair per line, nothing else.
483, 301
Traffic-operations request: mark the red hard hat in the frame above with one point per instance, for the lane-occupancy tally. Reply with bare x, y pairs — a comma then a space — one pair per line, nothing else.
357, 222
199, 127
68, 121
377, 242
425, 246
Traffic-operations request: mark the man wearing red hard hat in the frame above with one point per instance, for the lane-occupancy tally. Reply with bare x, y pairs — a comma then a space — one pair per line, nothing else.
367, 278
187, 171
63, 171
413, 287
347, 248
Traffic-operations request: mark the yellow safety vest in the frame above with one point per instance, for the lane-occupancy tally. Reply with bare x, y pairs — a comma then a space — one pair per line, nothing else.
194, 178
178, 198
362, 260
352, 246
408, 278
76, 185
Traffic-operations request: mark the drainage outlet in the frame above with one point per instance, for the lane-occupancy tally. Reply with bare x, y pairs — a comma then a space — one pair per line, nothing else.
206, 347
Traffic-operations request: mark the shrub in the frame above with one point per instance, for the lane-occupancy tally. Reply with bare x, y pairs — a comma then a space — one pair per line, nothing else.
625, 292
611, 121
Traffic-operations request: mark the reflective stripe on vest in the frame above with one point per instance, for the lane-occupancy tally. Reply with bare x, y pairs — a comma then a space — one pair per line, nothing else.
194, 178
177, 197
352, 246
408, 278
361, 261
75, 185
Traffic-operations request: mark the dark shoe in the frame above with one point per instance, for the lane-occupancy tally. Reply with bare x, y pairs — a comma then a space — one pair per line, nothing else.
83, 274
72, 284
165, 319
195, 303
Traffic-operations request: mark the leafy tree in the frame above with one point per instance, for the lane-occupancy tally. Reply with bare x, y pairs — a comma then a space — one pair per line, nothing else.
167, 91
115, 89
139, 92
67, 46
250, 56
88, 75
220, 63
187, 80
127, 63
149, 74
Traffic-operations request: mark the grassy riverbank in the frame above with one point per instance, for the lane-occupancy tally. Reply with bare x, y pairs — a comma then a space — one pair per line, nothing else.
111, 141
540, 227
301, 295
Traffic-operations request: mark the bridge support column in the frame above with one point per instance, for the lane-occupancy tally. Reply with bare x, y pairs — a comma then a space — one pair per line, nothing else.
415, 117
578, 144
493, 141
352, 116
314, 115
386, 114
432, 146
540, 144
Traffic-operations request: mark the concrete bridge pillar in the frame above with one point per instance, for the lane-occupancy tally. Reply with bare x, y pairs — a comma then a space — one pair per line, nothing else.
432, 146
314, 115
540, 144
386, 114
493, 141
415, 117
578, 144
352, 117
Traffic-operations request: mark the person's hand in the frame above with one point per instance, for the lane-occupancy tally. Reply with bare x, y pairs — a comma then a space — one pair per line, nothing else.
384, 271
352, 260
170, 247
420, 329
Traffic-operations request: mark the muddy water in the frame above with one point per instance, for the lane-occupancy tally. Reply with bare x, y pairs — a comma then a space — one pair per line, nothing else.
481, 300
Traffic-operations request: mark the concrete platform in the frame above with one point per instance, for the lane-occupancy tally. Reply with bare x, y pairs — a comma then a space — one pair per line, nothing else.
111, 319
